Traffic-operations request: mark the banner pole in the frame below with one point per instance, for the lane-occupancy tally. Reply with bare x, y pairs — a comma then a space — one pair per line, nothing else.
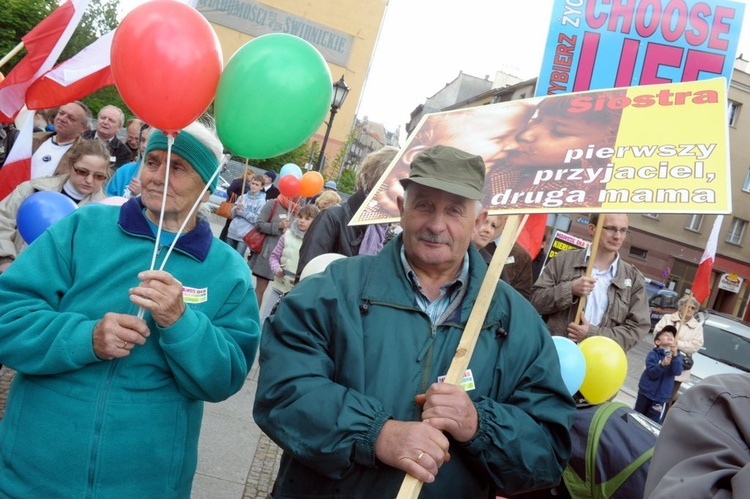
590, 265
411, 486
10, 54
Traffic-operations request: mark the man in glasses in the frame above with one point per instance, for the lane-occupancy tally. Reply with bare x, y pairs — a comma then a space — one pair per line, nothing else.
616, 304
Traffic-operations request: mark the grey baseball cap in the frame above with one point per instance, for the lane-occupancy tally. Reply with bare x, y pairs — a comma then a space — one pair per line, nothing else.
448, 169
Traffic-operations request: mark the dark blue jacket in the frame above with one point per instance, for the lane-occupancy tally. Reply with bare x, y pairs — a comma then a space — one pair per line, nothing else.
657, 381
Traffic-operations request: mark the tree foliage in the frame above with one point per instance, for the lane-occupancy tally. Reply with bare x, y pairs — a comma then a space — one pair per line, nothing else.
346, 182
17, 19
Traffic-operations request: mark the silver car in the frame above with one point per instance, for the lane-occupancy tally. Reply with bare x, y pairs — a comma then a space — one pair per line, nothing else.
726, 348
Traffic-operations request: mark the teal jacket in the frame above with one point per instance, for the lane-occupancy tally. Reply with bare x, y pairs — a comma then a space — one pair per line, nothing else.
78, 426
348, 349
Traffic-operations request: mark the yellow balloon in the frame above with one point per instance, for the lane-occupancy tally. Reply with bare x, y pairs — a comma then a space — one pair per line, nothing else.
606, 368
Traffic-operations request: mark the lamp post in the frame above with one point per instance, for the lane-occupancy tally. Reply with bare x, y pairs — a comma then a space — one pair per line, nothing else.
340, 91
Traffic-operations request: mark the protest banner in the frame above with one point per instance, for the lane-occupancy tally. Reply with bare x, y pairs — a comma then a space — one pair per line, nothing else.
562, 241
633, 150
596, 44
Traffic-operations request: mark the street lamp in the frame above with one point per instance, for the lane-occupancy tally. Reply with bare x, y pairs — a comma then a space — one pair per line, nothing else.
340, 91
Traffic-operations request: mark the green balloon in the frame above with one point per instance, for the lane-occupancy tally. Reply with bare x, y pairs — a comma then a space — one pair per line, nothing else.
272, 96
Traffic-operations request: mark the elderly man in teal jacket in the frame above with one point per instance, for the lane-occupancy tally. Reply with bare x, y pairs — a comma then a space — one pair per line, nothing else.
106, 403
351, 364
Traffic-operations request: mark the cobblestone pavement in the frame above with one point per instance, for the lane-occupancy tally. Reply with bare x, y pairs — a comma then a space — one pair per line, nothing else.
265, 461
6, 376
263, 470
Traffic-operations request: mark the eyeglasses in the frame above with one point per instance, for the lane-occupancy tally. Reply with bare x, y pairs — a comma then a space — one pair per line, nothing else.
85, 173
614, 230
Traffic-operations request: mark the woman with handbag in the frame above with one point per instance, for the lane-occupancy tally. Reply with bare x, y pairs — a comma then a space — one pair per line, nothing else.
245, 213
274, 219
689, 336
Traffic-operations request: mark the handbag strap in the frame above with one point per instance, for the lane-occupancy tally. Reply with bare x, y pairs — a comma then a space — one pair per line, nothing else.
233, 198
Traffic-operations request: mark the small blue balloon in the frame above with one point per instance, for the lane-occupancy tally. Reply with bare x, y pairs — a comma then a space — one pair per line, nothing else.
40, 210
290, 169
572, 363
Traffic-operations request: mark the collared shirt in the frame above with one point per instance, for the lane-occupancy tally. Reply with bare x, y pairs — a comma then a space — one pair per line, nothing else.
450, 295
597, 301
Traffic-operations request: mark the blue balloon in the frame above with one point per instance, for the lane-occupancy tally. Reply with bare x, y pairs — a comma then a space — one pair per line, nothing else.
290, 169
572, 363
39, 211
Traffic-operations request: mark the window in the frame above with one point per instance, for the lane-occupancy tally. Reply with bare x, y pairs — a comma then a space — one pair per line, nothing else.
746, 184
638, 253
653, 216
694, 223
736, 231
733, 111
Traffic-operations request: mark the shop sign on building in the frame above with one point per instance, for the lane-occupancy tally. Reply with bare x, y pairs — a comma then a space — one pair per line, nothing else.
730, 282
256, 19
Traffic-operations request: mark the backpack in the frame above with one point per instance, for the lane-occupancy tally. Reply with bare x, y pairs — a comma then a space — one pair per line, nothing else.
612, 449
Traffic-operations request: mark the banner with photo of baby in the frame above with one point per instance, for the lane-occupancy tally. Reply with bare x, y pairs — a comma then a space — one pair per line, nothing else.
635, 150
596, 44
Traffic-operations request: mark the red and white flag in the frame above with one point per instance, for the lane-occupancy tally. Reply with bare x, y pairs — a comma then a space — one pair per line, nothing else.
44, 44
702, 281
532, 235
17, 166
84, 73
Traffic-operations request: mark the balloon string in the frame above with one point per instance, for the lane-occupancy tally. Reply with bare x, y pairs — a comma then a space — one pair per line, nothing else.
170, 141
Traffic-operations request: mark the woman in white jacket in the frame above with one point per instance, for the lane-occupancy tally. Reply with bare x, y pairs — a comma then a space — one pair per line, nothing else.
84, 184
689, 333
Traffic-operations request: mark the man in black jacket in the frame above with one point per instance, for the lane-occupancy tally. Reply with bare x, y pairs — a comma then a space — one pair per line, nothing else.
109, 122
271, 190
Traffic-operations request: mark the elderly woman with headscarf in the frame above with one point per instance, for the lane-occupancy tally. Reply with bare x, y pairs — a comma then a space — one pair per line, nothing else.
689, 338
105, 403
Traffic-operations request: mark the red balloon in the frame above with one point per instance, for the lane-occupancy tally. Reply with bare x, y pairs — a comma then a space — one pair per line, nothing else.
311, 184
289, 186
166, 61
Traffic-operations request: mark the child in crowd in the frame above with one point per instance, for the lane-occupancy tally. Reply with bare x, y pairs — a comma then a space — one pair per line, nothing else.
245, 214
285, 257
662, 365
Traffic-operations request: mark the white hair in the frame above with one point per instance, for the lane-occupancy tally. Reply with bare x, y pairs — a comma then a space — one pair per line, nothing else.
205, 132
120, 114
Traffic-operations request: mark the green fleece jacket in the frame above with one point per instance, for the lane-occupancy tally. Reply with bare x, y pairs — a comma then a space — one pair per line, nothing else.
78, 426
348, 349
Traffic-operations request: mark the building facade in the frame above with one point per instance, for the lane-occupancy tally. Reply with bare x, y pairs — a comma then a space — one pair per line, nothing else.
345, 33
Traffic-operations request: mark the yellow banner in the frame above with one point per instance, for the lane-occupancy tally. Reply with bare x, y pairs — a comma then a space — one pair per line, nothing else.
646, 149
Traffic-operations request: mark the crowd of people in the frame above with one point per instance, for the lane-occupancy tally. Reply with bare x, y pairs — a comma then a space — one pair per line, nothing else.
122, 356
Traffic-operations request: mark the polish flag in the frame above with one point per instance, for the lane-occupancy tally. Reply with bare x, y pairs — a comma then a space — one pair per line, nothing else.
17, 167
702, 281
532, 234
84, 73
44, 44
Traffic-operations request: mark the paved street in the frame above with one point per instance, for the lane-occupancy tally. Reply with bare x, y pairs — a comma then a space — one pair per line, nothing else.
237, 461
